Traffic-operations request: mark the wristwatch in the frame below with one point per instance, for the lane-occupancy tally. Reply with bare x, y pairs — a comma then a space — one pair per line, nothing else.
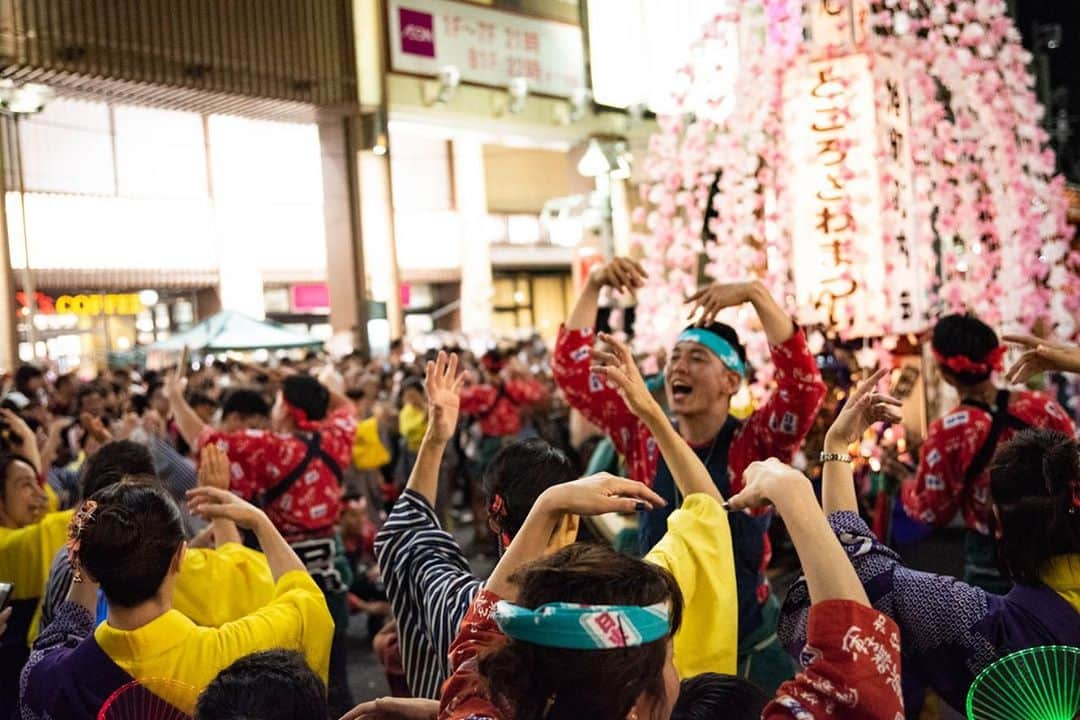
835, 457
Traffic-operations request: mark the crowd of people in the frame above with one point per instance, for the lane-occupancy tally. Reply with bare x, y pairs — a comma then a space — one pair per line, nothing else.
201, 536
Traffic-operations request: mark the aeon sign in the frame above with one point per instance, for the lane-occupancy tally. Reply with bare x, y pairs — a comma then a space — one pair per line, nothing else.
417, 32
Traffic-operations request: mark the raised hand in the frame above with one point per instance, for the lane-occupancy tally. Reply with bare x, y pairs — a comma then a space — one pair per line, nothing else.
1041, 356
23, 440
863, 408
765, 480
443, 386
618, 366
709, 301
176, 382
622, 274
212, 503
599, 494
214, 468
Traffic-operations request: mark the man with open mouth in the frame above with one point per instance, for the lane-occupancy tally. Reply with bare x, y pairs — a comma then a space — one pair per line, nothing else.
706, 367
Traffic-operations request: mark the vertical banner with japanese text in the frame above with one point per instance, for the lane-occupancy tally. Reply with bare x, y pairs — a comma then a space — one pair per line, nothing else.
838, 255
907, 310
838, 24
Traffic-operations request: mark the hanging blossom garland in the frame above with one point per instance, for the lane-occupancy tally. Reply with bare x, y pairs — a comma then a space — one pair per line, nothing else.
997, 210
985, 217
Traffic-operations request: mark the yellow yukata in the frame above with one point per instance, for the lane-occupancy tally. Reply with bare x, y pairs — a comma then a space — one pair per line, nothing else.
52, 500
215, 586
25, 557
1062, 575
412, 424
218, 586
368, 452
172, 646
697, 551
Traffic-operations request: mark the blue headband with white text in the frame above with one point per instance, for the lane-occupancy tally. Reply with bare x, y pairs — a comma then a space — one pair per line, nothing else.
584, 627
717, 345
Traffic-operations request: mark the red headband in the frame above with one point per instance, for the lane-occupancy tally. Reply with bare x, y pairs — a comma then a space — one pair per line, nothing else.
299, 416
964, 364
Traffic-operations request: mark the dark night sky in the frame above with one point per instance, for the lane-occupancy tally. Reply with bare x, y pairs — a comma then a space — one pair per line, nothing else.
1064, 63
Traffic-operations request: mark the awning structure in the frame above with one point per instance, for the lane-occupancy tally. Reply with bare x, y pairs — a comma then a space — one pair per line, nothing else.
230, 330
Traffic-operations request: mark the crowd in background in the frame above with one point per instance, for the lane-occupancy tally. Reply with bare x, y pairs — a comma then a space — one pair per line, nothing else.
200, 535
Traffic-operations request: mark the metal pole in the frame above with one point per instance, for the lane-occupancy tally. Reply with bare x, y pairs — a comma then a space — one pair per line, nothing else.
27, 275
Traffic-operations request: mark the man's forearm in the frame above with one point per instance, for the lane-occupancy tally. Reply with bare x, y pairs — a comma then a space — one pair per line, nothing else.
424, 478
774, 320
279, 556
187, 420
583, 314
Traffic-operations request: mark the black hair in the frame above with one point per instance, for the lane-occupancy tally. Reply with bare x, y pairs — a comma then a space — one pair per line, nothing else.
270, 685
198, 399
964, 335
89, 389
307, 394
140, 403
112, 462
559, 684
518, 473
24, 374
1033, 481
712, 696
245, 402
412, 383
354, 394
129, 542
728, 333
65, 379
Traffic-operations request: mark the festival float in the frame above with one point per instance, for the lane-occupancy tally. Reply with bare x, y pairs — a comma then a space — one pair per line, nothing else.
876, 165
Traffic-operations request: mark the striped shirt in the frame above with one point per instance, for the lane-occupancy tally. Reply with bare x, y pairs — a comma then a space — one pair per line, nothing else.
430, 588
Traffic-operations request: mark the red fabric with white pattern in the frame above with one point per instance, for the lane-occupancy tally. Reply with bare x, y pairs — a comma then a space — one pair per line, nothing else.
939, 488
259, 459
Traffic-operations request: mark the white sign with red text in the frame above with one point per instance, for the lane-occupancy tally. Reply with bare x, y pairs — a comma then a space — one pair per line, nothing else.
488, 47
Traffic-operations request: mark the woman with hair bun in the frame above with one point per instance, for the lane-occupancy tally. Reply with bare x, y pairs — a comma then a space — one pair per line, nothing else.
951, 630
952, 474
128, 538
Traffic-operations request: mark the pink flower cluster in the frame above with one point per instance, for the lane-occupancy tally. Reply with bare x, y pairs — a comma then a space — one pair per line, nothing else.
985, 209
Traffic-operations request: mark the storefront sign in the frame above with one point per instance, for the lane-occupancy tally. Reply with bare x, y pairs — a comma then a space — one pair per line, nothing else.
310, 297
488, 47
838, 250
85, 305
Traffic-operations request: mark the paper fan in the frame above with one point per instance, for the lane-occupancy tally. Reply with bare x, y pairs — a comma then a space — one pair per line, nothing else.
1041, 683
150, 699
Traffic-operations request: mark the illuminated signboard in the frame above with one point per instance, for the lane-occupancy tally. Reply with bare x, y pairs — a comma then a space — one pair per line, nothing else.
86, 305
839, 261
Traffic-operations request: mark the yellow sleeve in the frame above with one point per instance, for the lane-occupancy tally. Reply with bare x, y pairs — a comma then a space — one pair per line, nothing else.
697, 551
368, 450
295, 619
52, 499
218, 586
27, 553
